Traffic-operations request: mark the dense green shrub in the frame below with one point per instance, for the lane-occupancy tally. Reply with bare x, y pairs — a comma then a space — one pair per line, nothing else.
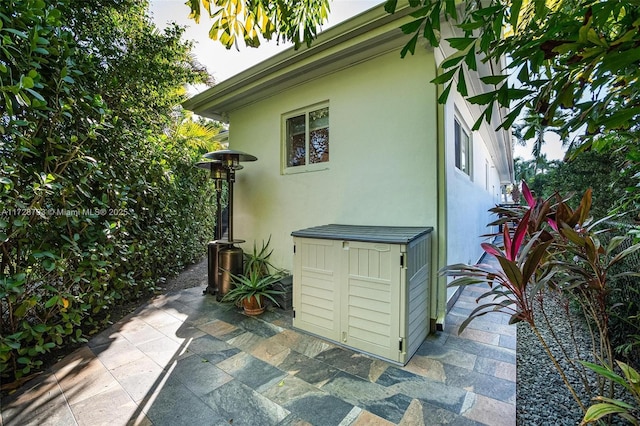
96, 202
624, 300
606, 173
610, 175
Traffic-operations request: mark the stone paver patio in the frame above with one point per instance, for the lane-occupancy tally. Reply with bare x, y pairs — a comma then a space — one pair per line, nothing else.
185, 359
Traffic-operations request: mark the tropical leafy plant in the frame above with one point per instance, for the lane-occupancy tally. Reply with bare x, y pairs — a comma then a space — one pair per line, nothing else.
198, 134
554, 249
630, 381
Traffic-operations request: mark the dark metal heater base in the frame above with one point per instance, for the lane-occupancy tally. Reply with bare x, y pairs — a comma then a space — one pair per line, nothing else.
231, 263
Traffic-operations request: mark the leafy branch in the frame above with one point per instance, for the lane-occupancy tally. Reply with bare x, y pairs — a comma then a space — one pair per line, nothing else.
571, 59
249, 21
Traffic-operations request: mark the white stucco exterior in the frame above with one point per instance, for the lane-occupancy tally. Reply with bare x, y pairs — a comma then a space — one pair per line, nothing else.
391, 146
469, 197
382, 167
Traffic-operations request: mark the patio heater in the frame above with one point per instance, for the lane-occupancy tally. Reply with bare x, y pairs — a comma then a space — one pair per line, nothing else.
229, 256
219, 174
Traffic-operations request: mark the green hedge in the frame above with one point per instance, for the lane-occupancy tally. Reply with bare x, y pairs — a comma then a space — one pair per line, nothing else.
97, 203
624, 299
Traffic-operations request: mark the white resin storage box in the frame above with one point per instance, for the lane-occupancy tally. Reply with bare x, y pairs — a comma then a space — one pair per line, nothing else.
365, 287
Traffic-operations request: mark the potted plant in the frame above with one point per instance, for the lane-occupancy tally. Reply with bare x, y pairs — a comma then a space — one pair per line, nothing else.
251, 290
256, 283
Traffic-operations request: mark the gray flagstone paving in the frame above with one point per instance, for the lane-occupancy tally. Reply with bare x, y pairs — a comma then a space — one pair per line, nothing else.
186, 359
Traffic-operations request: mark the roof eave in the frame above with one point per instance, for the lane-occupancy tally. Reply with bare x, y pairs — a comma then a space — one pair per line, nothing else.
374, 31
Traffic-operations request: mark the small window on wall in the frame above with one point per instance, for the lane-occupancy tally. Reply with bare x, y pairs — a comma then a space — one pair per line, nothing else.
306, 139
463, 154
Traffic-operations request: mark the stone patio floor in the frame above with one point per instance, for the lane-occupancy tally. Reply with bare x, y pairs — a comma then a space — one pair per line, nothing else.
185, 359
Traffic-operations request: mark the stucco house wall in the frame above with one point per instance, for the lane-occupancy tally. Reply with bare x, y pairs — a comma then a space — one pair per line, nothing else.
469, 197
382, 154
391, 145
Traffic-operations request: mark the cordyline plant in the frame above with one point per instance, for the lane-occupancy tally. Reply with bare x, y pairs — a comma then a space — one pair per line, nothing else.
552, 251
630, 380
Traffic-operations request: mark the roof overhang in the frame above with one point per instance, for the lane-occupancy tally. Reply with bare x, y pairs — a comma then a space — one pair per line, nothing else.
365, 36
498, 140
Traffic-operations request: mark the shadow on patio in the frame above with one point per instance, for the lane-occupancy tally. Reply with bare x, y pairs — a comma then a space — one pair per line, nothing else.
184, 358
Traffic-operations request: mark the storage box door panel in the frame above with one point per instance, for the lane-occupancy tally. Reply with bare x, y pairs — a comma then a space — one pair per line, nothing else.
419, 254
370, 316
315, 296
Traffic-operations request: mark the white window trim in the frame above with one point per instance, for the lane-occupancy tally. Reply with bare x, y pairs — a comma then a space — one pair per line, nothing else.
487, 170
283, 140
469, 153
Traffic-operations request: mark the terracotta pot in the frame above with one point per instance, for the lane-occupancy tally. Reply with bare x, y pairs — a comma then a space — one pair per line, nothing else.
251, 306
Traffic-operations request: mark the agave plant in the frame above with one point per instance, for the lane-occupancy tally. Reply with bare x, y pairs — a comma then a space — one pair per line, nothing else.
256, 282
258, 260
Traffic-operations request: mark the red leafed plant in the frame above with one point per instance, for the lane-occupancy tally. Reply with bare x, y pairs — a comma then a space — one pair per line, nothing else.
550, 249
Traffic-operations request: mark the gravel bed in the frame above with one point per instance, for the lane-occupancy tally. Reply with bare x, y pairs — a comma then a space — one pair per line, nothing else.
542, 398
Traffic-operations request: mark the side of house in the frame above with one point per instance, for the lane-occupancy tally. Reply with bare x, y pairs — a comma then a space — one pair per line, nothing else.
478, 165
347, 132
382, 153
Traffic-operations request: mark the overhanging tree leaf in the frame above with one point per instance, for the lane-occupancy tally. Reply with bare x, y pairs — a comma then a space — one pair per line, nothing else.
291, 21
412, 26
390, 6
550, 44
482, 99
493, 79
622, 119
444, 77
462, 85
410, 47
460, 43
445, 94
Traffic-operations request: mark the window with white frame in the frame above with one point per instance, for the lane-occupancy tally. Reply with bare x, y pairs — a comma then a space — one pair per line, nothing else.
462, 148
306, 138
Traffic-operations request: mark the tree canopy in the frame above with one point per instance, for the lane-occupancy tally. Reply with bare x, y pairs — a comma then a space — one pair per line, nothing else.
573, 63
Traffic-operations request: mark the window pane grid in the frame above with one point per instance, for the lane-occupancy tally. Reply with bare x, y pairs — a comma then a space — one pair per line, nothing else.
296, 141
307, 138
462, 147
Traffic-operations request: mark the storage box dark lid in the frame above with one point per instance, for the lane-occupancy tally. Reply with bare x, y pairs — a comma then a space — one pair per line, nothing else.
372, 234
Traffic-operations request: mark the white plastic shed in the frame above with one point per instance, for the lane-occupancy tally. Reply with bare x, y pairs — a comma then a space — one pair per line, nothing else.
365, 287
